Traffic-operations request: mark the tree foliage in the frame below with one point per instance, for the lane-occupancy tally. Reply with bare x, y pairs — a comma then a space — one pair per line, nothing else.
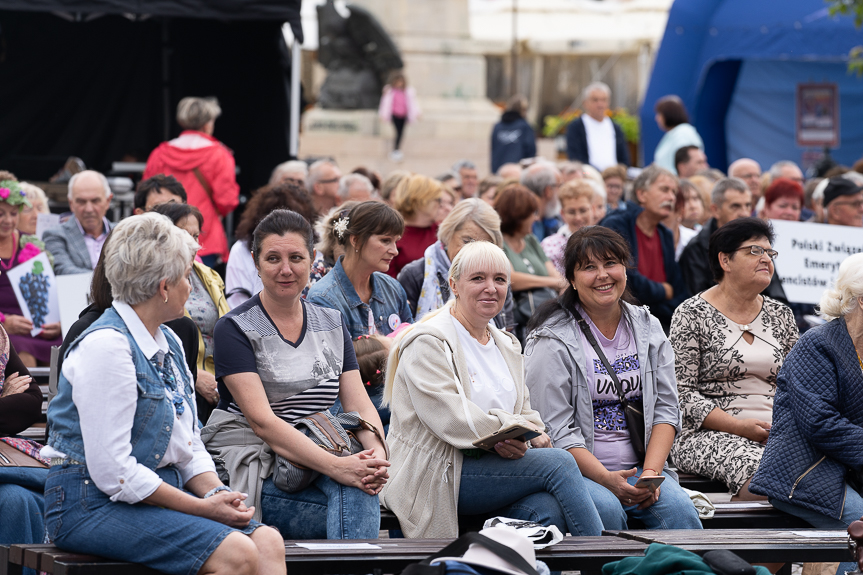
854, 9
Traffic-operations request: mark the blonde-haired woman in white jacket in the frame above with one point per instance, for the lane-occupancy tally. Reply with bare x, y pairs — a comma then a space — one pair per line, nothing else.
454, 378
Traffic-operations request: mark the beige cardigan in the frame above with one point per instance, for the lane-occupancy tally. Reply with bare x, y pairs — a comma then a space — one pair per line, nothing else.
429, 424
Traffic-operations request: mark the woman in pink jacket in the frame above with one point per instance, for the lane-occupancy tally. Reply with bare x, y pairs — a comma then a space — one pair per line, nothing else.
399, 104
206, 169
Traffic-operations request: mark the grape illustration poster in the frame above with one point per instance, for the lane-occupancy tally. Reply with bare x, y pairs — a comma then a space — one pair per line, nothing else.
36, 289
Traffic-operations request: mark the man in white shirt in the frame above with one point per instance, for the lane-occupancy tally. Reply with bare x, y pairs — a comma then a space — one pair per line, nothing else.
77, 243
593, 138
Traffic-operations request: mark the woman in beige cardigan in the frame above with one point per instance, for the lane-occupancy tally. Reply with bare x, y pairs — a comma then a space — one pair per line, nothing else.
454, 378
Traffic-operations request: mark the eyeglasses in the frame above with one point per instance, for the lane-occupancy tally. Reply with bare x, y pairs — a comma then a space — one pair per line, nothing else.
856, 204
759, 251
330, 181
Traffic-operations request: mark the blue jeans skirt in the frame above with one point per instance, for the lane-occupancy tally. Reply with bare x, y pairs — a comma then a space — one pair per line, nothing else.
82, 519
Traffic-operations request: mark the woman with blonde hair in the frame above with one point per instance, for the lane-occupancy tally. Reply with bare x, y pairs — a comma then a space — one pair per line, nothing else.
576, 199
29, 216
811, 464
454, 378
418, 199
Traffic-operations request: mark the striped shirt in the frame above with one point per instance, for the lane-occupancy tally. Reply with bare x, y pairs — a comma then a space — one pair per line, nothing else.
299, 378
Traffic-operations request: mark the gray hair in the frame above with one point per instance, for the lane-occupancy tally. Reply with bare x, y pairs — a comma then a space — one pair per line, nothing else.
77, 176
463, 164
776, 169
471, 210
194, 113
143, 251
36, 195
349, 180
602, 86
841, 299
717, 196
648, 177
291, 166
315, 174
539, 176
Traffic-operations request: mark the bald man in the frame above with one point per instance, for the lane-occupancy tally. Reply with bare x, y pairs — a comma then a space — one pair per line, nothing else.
749, 171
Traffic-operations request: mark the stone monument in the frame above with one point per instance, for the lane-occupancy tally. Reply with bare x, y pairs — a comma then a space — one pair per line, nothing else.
445, 67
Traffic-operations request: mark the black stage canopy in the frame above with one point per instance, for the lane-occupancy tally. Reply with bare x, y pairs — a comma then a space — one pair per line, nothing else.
101, 79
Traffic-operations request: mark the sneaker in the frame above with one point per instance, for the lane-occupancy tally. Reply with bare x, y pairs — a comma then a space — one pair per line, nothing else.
396, 156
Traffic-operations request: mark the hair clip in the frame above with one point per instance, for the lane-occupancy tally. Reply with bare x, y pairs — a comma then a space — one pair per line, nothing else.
340, 227
378, 371
368, 384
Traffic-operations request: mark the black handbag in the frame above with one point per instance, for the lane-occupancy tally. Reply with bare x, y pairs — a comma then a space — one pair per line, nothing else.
528, 301
633, 411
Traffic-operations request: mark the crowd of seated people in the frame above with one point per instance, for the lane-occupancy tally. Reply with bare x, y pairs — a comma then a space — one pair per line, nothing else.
551, 297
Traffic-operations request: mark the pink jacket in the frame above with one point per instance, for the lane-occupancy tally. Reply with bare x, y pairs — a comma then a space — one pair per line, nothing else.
385, 110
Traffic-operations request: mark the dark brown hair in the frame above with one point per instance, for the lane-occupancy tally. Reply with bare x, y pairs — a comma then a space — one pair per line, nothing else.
514, 203
282, 196
177, 212
279, 223
672, 111
371, 218
372, 176
154, 184
372, 358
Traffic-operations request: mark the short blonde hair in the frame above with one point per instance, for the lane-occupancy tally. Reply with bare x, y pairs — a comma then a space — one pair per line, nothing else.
143, 251
576, 189
479, 256
413, 194
471, 210
37, 197
194, 113
841, 299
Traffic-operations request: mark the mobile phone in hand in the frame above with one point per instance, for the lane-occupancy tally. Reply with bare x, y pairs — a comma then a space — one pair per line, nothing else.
651, 482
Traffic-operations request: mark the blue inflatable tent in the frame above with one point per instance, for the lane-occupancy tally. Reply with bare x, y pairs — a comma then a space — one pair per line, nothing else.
737, 63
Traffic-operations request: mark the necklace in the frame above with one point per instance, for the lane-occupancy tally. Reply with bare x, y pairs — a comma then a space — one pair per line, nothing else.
12, 258
167, 372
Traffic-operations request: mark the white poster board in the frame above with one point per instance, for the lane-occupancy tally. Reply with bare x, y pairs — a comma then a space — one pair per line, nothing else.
36, 289
810, 255
46, 222
74, 295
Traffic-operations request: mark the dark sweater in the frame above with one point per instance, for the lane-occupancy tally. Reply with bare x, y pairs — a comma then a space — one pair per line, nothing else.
21, 410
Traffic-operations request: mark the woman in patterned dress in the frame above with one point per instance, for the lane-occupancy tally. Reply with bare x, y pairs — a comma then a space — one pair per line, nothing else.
729, 342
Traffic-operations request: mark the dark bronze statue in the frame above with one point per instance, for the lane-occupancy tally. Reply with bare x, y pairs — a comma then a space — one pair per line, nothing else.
357, 53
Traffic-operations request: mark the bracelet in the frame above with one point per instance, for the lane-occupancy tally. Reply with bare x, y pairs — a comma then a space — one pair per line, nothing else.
215, 490
648, 469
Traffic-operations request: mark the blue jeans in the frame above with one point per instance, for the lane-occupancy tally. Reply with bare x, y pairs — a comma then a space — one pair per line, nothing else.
852, 511
324, 510
673, 509
543, 486
22, 506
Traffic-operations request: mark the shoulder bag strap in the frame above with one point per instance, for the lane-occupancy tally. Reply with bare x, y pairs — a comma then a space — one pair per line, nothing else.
204, 184
611, 373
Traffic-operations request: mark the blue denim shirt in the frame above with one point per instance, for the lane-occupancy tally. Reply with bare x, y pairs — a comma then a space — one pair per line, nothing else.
154, 414
389, 303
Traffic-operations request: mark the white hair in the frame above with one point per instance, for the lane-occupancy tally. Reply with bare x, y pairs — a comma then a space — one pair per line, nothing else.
598, 188
776, 169
479, 256
37, 197
142, 251
315, 174
593, 86
840, 299
291, 166
102, 178
349, 180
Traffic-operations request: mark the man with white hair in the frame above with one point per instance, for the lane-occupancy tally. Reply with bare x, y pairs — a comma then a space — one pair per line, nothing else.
466, 171
543, 179
294, 171
749, 171
322, 183
77, 243
355, 188
593, 138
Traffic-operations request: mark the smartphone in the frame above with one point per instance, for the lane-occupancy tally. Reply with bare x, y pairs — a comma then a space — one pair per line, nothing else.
651, 482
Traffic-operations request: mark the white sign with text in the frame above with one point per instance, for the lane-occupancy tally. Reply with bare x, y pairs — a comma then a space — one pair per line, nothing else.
810, 255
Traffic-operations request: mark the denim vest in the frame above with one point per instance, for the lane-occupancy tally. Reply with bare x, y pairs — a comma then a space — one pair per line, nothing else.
388, 298
154, 414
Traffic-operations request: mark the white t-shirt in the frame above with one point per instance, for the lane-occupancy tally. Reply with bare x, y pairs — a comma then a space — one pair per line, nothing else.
491, 385
601, 142
611, 443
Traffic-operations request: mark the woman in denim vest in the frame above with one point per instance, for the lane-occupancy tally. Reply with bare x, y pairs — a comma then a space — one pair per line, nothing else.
130, 479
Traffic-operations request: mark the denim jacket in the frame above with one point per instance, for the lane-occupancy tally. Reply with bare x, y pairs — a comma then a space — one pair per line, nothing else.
388, 301
154, 414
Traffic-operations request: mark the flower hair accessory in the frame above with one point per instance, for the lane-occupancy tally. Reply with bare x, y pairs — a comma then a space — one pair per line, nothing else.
340, 227
12, 194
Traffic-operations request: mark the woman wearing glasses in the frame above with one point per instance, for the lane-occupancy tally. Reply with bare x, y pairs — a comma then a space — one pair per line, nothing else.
729, 343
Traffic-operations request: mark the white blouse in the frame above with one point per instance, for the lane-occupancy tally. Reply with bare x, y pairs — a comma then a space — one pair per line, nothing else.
106, 395
491, 384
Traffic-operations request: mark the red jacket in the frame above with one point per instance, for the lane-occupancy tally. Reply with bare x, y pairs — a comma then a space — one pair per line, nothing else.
215, 162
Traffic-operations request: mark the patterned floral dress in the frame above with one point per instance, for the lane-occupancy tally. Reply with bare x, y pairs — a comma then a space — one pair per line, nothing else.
717, 368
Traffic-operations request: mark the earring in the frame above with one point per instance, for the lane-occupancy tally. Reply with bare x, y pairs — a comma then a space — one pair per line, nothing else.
166, 297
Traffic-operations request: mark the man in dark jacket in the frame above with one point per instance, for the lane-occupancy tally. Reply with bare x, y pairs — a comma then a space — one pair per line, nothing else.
729, 200
593, 138
654, 278
512, 139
